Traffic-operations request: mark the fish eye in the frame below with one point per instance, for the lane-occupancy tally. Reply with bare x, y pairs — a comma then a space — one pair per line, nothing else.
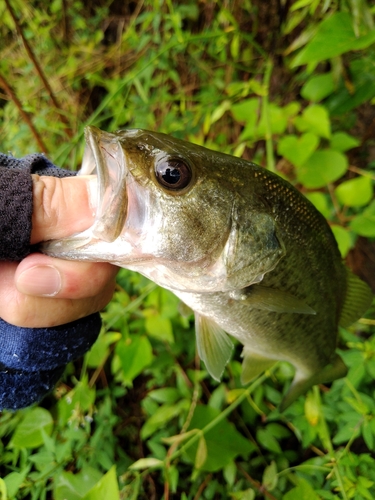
173, 174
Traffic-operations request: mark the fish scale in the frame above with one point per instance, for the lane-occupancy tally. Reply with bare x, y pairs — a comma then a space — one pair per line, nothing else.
244, 249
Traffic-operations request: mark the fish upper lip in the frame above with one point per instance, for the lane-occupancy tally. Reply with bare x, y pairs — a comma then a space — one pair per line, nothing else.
93, 136
112, 190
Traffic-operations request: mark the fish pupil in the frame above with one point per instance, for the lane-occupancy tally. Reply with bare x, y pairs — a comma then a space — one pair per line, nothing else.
173, 174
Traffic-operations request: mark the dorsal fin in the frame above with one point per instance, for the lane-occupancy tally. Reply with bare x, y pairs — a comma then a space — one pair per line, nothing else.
358, 299
214, 346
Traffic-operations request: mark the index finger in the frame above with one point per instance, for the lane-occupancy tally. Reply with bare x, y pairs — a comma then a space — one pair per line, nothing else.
61, 206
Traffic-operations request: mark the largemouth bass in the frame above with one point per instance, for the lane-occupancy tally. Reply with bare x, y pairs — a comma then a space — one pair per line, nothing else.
244, 249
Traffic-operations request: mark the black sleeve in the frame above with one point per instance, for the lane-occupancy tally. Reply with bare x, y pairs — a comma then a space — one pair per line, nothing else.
32, 359
15, 213
16, 200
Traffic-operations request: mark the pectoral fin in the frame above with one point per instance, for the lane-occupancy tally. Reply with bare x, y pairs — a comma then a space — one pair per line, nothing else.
254, 246
270, 299
357, 300
253, 365
214, 346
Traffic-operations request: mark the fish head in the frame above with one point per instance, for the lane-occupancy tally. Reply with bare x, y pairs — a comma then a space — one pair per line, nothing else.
172, 211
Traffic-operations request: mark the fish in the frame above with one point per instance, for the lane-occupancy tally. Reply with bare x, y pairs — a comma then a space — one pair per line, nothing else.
238, 244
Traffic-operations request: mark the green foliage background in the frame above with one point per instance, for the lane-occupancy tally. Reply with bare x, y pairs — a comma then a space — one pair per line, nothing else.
289, 85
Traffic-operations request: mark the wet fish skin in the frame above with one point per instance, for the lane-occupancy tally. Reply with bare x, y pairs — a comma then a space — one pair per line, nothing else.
239, 245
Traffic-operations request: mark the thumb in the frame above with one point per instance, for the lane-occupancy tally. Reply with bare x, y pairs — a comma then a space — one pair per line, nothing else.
61, 207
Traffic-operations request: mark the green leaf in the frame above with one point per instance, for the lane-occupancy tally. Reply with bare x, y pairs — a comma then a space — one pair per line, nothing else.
362, 87
343, 238
201, 455
106, 488
243, 495
169, 303
312, 408
246, 110
278, 431
270, 477
322, 168
355, 192
319, 200
347, 432
363, 486
29, 433
13, 482
358, 405
299, 4
219, 111
230, 473
82, 394
365, 482
224, 442
278, 120
318, 87
135, 354
161, 417
165, 395
81, 398
292, 109
266, 439
341, 141
146, 463
368, 435
298, 150
314, 119
99, 351
3, 489
335, 36
75, 486
173, 475
218, 397
303, 491
160, 328
364, 224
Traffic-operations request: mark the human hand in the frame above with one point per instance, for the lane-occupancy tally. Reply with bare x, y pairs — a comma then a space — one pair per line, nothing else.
42, 291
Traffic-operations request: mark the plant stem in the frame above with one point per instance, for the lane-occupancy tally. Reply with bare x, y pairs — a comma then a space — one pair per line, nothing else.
256, 484
25, 115
223, 414
266, 114
328, 443
202, 487
360, 171
134, 304
38, 68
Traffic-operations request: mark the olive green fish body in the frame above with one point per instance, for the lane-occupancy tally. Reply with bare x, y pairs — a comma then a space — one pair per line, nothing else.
242, 247
311, 270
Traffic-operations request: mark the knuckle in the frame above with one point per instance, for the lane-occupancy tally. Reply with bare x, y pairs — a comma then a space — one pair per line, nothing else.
51, 199
48, 200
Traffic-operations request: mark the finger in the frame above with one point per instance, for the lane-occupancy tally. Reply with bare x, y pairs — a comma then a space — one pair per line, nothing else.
41, 275
61, 207
37, 312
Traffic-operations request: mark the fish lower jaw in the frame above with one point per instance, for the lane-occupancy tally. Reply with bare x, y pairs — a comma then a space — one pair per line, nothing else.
64, 248
84, 247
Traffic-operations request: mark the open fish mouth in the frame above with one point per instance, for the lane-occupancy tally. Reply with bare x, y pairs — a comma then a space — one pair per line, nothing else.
104, 157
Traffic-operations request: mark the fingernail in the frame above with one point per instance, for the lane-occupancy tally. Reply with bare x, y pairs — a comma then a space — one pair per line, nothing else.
42, 281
